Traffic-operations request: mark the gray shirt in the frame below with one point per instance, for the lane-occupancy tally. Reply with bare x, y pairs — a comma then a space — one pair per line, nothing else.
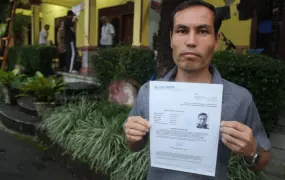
238, 105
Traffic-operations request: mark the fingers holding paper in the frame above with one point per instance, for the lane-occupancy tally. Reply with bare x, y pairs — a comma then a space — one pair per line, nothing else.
238, 137
136, 128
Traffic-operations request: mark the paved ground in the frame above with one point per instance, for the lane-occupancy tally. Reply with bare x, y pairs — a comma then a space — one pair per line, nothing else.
276, 168
20, 160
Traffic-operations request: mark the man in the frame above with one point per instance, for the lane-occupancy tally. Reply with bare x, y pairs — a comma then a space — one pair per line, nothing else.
70, 41
61, 45
107, 33
44, 35
194, 39
202, 124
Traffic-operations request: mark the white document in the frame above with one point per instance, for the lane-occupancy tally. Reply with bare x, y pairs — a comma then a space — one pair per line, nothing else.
185, 126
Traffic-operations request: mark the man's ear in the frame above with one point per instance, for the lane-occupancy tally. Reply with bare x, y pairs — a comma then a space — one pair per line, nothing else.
217, 41
170, 38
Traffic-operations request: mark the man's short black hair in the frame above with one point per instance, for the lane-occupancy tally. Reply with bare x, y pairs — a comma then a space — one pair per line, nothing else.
70, 13
203, 114
191, 3
47, 26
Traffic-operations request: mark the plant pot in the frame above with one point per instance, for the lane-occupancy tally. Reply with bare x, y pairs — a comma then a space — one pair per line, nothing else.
10, 95
43, 107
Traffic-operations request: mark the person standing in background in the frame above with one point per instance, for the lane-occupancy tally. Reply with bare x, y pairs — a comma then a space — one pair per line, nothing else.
107, 33
70, 41
44, 35
61, 45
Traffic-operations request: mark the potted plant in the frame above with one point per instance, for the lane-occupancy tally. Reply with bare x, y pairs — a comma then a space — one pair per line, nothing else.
44, 89
11, 82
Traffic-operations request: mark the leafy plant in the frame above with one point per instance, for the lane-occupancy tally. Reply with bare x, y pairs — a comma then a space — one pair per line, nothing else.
11, 82
3, 28
42, 88
88, 134
238, 171
133, 162
263, 76
124, 62
11, 79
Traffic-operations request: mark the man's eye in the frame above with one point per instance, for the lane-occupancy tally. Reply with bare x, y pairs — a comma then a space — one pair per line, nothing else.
204, 32
180, 31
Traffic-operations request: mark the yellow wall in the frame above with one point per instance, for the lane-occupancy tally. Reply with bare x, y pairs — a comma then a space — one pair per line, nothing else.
145, 21
93, 23
229, 27
50, 12
26, 12
80, 30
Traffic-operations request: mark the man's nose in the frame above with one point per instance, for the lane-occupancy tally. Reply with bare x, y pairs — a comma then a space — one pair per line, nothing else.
191, 39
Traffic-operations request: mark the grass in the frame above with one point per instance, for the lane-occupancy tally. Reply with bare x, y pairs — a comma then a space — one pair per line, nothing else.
238, 171
92, 132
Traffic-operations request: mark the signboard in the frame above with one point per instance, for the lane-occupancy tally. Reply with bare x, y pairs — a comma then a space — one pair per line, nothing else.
77, 9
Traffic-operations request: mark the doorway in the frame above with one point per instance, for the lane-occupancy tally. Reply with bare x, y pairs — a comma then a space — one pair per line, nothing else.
122, 18
127, 32
57, 24
116, 23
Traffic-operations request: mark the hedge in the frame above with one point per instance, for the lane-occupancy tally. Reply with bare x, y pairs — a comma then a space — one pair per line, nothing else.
13, 57
33, 57
263, 76
124, 62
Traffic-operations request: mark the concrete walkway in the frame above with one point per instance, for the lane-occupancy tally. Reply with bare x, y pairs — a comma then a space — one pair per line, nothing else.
20, 160
276, 168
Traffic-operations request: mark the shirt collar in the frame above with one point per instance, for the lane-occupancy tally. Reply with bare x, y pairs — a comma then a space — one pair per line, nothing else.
217, 78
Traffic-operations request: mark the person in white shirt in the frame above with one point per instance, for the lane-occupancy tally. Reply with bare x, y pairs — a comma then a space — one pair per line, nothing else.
44, 35
107, 33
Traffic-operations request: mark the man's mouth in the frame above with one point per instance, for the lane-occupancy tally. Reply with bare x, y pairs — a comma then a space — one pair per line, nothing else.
190, 55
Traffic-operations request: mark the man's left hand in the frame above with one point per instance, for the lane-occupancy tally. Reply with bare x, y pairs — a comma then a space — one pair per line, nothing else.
238, 137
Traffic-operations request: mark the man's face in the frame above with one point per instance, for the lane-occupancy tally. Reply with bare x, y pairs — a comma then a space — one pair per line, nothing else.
193, 39
47, 28
103, 20
202, 119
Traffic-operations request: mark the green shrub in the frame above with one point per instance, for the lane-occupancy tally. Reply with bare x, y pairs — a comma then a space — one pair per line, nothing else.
33, 57
238, 171
93, 133
124, 63
83, 131
263, 76
13, 57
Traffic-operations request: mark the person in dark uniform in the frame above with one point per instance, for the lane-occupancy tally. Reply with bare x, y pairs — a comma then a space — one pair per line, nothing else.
70, 41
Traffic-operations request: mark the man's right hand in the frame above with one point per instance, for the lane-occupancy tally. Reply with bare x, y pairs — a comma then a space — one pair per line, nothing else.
136, 128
